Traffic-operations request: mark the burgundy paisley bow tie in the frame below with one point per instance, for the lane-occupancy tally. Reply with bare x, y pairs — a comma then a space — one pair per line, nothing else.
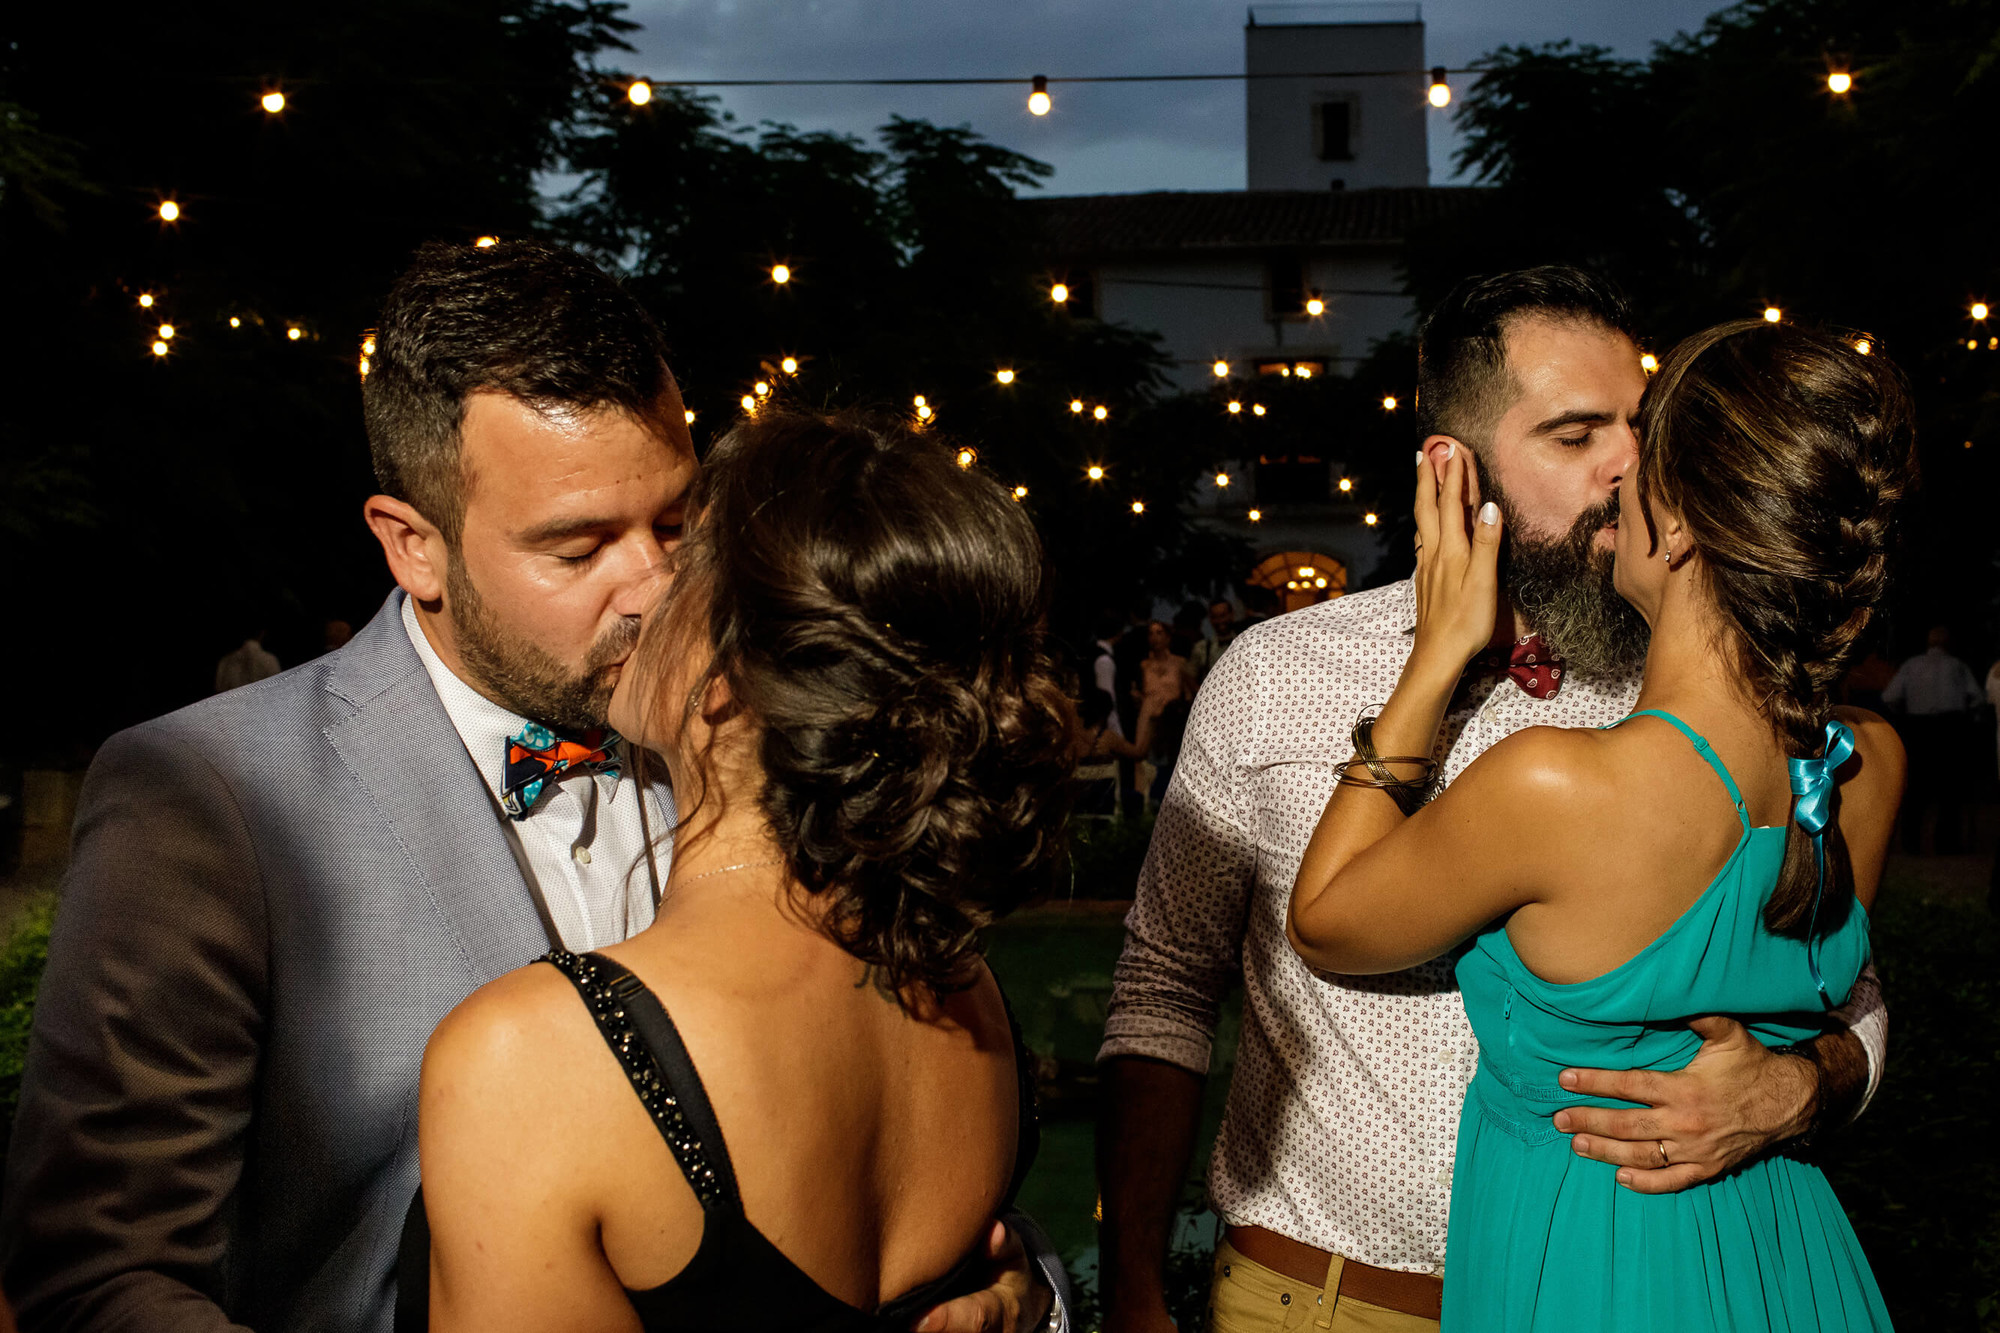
1530, 665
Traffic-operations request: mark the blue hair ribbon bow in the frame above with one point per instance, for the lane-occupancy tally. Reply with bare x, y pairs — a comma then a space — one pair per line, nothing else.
1813, 784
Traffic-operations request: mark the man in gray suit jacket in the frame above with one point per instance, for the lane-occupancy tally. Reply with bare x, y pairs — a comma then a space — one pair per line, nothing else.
277, 893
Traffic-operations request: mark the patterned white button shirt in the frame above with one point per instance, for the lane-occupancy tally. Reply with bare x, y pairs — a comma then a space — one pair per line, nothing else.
1342, 1114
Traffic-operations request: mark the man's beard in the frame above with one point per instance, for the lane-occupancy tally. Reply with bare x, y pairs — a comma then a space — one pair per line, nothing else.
1562, 586
523, 678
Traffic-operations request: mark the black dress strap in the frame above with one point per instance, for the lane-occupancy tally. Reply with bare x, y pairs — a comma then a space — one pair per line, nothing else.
649, 1048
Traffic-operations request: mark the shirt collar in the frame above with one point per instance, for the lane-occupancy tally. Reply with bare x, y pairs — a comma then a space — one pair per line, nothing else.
483, 725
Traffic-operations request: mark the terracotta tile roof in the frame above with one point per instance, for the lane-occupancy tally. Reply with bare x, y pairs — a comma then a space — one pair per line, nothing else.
1076, 226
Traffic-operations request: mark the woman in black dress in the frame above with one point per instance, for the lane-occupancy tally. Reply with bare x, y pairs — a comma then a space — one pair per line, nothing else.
794, 1101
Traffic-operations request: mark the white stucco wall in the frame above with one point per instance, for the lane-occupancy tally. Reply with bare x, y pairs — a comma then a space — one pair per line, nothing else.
1388, 138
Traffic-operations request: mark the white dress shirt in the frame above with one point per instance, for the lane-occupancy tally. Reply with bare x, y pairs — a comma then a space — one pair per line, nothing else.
583, 848
1342, 1118
1932, 683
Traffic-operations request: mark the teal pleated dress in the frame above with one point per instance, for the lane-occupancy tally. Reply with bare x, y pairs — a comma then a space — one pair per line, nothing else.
1543, 1239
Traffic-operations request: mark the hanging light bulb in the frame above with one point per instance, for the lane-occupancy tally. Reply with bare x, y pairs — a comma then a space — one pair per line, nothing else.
1772, 314
1320, 582
1004, 376
1076, 404
1258, 408
1979, 310
781, 273
294, 332
920, 400
1038, 100
924, 412
1095, 472
169, 211
364, 367
1388, 402
1221, 369
1648, 362
1440, 93
273, 101
167, 331
749, 402
159, 348
639, 92
1346, 484
1222, 479
1315, 306
367, 343
1863, 346
762, 388
967, 457
1020, 492
790, 365
1305, 571
689, 414
236, 323
486, 242
1371, 519
1059, 293
1304, 372
145, 300
1256, 516
1138, 506
1100, 411
1839, 82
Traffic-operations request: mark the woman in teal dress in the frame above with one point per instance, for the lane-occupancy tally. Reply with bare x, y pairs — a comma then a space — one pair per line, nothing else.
1713, 854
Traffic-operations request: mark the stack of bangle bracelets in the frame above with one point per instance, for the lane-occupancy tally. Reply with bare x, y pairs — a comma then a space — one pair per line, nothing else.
1409, 794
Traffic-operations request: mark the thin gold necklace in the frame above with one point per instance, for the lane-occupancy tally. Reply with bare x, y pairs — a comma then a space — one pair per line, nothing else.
724, 870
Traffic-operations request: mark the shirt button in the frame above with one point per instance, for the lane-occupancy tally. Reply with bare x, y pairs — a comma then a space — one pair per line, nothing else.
582, 855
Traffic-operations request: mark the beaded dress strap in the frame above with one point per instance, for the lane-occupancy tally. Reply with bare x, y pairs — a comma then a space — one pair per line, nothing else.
649, 1049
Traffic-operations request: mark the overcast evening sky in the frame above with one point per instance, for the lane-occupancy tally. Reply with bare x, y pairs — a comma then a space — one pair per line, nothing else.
1101, 138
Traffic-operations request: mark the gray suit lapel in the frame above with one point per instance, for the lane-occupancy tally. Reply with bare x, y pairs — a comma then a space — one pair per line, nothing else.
402, 748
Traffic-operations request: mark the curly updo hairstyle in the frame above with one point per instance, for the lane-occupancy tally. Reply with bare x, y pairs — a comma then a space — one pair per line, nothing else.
1788, 455
878, 612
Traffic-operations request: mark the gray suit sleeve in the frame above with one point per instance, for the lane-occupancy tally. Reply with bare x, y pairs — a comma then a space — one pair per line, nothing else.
1042, 1253
136, 1099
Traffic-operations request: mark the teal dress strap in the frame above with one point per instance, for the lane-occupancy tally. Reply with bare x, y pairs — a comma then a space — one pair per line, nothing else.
1702, 748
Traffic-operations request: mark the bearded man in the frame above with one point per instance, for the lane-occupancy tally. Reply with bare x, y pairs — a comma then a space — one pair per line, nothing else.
276, 894
1332, 1170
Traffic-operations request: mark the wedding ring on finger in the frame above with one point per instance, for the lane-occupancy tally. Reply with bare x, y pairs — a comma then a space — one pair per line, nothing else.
1664, 1159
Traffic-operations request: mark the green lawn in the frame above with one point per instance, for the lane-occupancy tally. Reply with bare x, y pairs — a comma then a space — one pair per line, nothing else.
1920, 1174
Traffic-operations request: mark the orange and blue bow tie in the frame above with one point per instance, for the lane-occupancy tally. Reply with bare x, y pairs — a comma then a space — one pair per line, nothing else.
538, 755
1530, 665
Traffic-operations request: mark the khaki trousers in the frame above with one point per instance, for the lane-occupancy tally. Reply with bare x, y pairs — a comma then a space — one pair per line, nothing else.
1247, 1297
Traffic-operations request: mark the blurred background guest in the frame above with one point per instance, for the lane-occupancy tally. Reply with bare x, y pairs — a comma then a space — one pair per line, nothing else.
1933, 696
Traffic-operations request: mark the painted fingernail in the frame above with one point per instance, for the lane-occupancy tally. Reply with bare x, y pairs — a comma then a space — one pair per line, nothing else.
1489, 513
1450, 448
1420, 458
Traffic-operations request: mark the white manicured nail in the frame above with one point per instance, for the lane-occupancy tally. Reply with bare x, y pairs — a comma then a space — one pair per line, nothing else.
1489, 513
1420, 458
1450, 448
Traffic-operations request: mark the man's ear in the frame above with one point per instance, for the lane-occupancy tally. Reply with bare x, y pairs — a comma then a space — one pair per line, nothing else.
1436, 441
412, 544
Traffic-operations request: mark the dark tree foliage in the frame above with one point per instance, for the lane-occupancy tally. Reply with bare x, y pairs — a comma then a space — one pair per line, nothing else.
915, 271
154, 511
1721, 176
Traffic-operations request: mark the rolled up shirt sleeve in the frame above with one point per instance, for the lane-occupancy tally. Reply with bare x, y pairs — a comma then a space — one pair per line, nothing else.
1867, 1017
1184, 934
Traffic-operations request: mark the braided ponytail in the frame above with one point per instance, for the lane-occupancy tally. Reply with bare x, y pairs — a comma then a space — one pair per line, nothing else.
1788, 455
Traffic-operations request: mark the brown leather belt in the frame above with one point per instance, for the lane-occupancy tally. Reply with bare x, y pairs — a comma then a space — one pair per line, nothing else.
1417, 1294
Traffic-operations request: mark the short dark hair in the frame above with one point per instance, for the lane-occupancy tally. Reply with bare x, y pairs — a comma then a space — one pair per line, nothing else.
1462, 380
881, 613
542, 324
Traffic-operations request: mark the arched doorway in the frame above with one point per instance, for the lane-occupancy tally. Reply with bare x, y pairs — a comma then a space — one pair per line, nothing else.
1301, 578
